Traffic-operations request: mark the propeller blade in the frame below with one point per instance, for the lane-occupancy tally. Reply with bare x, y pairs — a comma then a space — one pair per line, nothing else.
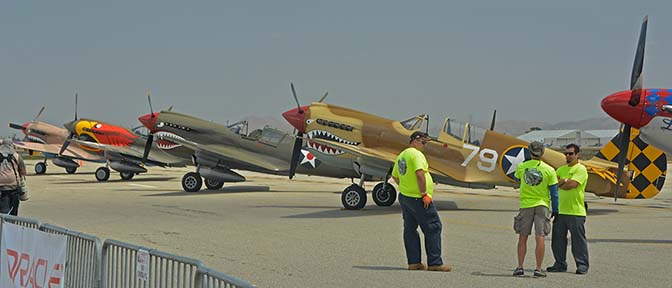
151, 110
170, 108
148, 147
492, 124
623, 147
38, 114
76, 98
296, 98
326, 93
15, 126
636, 78
66, 144
296, 153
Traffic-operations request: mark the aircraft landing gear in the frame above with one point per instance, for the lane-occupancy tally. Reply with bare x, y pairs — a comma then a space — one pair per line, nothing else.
213, 184
71, 170
384, 194
192, 182
40, 168
354, 197
102, 174
126, 175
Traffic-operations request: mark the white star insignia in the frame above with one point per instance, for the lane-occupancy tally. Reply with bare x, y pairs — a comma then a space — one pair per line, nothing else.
308, 158
515, 160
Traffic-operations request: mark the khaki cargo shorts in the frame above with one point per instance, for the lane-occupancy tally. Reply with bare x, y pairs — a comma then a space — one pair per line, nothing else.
540, 216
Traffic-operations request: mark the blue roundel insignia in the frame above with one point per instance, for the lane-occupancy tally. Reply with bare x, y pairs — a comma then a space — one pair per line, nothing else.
510, 159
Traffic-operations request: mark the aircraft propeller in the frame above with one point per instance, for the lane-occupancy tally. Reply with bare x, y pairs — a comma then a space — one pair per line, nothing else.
298, 143
38, 114
72, 133
150, 136
636, 83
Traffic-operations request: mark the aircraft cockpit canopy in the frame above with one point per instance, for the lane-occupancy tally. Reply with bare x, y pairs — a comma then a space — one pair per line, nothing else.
141, 130
416, 123
464, 131
272, 136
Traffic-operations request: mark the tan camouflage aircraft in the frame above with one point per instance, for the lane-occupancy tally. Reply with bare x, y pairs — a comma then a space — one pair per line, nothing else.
49, 139
375, 142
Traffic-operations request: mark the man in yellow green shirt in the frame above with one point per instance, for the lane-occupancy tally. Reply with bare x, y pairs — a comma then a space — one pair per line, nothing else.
538, 190
416, 189
572, 180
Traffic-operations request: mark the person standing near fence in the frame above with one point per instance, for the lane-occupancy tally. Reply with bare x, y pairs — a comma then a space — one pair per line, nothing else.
12, 178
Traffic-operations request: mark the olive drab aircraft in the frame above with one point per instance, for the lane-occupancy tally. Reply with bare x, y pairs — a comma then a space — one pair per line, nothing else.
490, 161
49, 139
216, 149
646, 112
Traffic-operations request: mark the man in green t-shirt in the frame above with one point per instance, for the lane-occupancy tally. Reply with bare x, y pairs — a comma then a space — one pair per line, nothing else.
416, 189
572, 180
538, 188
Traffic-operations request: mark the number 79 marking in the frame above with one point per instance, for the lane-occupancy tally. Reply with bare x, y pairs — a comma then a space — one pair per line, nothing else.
487, 157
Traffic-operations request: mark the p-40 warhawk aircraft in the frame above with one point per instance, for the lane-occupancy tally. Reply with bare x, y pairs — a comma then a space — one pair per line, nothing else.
122, 148
49, 139
217, 149
376, 142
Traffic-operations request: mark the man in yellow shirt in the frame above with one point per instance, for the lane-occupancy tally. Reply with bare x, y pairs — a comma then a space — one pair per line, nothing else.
572, 180
416, 189
538, 189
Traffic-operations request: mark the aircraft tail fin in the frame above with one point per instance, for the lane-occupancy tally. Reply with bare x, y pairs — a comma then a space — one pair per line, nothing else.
648, 165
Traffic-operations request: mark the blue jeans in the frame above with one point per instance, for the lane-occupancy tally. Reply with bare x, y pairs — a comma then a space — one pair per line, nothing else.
415, 215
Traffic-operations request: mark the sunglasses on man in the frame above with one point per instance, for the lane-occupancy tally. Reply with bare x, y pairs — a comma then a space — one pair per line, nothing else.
569, 153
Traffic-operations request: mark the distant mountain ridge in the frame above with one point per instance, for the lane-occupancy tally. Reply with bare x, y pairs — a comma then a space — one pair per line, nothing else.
517, 127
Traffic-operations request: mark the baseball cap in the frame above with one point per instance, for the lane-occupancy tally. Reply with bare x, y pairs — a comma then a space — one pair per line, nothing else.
536, 148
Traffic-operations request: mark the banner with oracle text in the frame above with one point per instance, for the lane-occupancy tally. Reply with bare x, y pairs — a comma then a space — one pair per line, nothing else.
31, 258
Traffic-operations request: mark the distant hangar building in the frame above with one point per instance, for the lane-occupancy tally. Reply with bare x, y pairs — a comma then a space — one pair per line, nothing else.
560, 138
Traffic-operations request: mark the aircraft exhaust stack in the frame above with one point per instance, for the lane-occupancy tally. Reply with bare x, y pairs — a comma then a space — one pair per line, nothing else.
127, 167
65, 162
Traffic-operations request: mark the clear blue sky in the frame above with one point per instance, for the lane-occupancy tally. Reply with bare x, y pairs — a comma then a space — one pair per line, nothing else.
223, 60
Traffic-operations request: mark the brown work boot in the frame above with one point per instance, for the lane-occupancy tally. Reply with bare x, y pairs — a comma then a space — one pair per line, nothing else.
417, 266
440, 268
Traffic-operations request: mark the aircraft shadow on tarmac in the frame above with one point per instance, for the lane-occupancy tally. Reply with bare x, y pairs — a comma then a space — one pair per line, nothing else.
374, 210
224, 190
600, 211
631, 241
143, 179
507, 275
60, 173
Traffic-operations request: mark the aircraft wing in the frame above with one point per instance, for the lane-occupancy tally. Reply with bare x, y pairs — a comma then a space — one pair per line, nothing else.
110, 148
234, 154
71, 152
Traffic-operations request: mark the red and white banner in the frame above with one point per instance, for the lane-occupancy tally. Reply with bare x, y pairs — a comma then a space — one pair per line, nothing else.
31, 258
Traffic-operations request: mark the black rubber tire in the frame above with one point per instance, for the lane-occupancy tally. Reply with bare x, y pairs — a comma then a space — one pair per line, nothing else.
353, 197
102, 174
71, 170
40, 168
384, 198
126, 176
213, 184
192, 182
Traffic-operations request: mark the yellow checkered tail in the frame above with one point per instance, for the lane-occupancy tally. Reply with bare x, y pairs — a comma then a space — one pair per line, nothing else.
647, 166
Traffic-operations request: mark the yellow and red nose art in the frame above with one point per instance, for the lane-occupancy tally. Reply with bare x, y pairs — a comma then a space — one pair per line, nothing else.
103, 133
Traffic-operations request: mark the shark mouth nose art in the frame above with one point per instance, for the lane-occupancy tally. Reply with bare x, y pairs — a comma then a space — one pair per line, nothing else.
164, 142
325, 149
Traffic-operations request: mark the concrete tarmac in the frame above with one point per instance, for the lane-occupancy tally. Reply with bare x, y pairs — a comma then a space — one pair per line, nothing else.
276, 232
